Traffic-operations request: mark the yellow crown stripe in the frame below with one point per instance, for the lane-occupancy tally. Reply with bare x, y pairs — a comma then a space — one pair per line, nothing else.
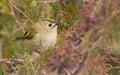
48, 19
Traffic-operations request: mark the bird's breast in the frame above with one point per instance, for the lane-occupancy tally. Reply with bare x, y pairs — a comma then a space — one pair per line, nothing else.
46, 41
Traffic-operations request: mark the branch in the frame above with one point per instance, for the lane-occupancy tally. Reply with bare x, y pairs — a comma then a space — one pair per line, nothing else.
12, 5
94, 9
14, 16
6, 60
49, 1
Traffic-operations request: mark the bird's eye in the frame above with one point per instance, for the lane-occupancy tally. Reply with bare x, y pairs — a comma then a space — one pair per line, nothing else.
49, 25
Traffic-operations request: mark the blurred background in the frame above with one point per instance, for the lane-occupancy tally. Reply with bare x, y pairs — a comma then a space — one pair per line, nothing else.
99, 21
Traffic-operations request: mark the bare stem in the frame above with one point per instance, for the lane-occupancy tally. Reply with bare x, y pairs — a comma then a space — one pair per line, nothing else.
14, 16
94, 9
11, 4
6, 60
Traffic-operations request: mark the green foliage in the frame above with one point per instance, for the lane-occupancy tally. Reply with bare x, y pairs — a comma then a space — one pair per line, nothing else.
66, 12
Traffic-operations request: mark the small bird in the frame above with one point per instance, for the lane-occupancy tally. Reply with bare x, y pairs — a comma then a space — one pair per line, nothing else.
46, 35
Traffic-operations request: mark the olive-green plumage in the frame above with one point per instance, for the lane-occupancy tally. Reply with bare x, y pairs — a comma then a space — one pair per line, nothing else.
46, 35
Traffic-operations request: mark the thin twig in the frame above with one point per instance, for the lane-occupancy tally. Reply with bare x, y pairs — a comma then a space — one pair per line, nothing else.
67, 71
5, 60
20, 11
14, 16
94, 9
49, 1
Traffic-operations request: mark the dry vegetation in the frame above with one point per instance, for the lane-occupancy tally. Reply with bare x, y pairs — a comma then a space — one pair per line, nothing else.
88, 40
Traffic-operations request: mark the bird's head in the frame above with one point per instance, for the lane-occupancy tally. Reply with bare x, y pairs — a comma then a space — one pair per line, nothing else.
47, 26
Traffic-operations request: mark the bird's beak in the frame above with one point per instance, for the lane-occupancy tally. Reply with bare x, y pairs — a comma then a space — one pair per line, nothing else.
56, 24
